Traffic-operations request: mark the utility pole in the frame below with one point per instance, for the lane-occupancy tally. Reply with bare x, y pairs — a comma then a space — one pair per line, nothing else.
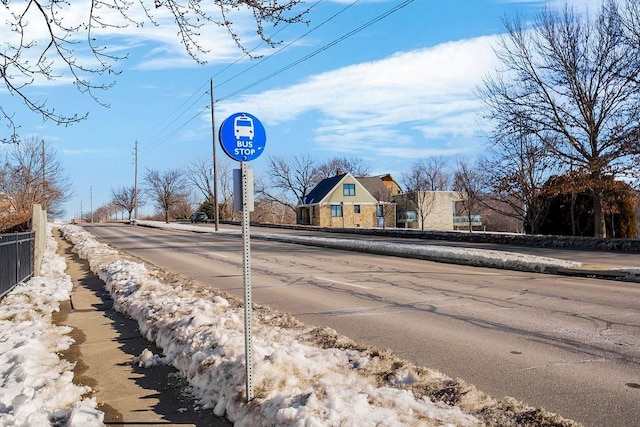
135, 183
44, 182
81, 220
215, 161
91, 202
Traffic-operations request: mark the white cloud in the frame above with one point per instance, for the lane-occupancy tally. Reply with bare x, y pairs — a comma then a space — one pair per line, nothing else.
429, 92
423, 101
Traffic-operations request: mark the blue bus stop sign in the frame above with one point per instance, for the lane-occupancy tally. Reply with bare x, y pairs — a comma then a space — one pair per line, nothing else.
242, 137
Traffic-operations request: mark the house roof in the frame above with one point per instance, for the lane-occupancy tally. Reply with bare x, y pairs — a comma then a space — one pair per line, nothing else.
375, 186
372, 184
322, 189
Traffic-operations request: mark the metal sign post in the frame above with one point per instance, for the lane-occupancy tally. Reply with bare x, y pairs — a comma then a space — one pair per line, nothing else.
243, 138
246, 258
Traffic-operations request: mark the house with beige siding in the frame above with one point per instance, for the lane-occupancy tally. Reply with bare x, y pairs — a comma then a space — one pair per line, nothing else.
346, 201
428, 210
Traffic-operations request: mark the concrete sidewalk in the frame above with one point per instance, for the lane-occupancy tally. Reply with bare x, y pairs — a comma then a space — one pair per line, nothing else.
106, 343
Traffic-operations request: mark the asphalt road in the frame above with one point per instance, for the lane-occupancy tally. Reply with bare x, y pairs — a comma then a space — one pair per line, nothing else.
571, 345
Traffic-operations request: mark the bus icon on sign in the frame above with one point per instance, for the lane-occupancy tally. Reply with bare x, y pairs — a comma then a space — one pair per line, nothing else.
243, 127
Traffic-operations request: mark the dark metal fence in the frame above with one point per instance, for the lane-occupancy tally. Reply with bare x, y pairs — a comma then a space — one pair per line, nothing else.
16, 259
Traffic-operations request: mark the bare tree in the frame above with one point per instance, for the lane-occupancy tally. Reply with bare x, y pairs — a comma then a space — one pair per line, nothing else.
515, 172
32, 174
629, 14
182, 209
437, 174
468, 180
166, 189
125, 199
272, 212
424, 178
288, 180
628, 11
70, 48
225, 190
199, 175
573, 82
338, 165
104, 212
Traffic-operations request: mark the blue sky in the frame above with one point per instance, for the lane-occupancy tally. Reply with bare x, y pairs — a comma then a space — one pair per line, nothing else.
400, 89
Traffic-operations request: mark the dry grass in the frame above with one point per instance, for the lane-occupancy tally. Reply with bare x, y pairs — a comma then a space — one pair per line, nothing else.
11, 222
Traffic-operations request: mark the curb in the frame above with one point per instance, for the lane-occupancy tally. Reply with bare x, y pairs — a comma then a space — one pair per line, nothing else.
594, 273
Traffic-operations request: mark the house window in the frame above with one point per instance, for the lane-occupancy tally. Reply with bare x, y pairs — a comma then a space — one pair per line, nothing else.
336, 210
379, 211
356, 208
411, 216
349, 189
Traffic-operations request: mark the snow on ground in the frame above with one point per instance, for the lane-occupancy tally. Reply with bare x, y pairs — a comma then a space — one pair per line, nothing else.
36, 386
439, 253
458, 255
303, 376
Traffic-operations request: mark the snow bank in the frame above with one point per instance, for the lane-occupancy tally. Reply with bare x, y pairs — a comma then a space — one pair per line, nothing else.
467, 256
453, 255
303, 376
36, 386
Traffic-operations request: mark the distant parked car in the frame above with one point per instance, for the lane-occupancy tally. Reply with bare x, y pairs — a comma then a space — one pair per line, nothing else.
199, 217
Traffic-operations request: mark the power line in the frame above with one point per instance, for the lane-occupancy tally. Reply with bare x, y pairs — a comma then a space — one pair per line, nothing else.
317, 51
287, 45
269, 76
263, 42
176, 130
168, 123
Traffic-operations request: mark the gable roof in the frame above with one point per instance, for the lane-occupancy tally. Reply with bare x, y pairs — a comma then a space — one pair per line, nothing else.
321, 190
375, 186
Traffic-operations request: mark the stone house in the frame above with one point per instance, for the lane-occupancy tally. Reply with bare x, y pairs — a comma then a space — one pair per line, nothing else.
347, 201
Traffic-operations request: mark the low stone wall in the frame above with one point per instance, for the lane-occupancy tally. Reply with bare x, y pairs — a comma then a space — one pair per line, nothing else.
566, 242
